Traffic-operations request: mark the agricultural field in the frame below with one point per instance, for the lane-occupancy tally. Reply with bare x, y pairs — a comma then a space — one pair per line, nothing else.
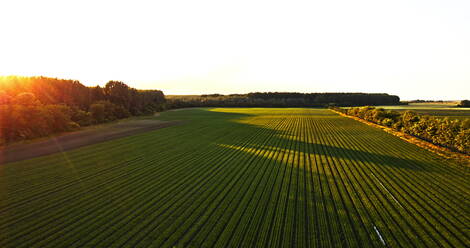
433, 109
239, 177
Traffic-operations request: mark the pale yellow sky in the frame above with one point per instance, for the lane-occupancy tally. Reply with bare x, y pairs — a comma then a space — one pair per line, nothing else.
415, 49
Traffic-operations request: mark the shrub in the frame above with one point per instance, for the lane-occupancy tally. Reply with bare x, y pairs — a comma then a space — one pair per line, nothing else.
454, 134
97, 112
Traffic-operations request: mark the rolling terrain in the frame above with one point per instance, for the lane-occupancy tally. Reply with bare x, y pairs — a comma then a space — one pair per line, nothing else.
239, 177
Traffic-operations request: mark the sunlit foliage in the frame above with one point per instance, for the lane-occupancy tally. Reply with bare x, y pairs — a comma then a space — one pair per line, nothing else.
39, 106
450, 133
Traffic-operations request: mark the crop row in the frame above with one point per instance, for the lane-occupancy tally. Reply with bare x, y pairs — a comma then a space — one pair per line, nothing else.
239, 178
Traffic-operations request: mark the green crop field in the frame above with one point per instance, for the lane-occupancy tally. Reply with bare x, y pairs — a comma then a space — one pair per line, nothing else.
239, 177
438, 110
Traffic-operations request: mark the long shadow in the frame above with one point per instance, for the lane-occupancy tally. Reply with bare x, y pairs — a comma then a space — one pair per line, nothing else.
346, 153
280, 138
328, 217
74, 140
331, 204
198, 114
219, 119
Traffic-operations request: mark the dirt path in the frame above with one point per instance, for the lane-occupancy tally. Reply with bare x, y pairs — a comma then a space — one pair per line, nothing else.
78, 139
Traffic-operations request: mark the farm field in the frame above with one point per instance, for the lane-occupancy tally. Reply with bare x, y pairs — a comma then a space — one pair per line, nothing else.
438, 110
239, 177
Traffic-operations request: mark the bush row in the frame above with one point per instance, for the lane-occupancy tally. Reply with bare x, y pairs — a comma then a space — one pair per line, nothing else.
453, 134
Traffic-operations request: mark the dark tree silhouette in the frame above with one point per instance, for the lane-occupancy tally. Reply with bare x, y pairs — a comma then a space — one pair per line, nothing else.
284, 99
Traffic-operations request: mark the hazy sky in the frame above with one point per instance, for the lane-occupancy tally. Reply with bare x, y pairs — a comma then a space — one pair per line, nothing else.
415, 49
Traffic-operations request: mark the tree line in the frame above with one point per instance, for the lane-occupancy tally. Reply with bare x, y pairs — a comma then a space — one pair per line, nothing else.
453, 134
39, 106
464, 104
32, 107
283, 99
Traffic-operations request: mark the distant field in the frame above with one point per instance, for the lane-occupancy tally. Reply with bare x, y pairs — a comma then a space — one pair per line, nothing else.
432, 109
239, 177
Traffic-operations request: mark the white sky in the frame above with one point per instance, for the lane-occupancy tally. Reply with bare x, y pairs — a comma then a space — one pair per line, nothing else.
415, 49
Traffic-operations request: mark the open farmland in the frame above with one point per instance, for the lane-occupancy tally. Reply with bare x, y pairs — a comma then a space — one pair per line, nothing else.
450, 111
239, 177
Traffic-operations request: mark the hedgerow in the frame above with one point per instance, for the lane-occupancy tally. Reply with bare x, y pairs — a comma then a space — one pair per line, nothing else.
446, 132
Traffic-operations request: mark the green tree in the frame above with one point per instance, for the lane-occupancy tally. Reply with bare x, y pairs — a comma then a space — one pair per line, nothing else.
97, 112
118, 93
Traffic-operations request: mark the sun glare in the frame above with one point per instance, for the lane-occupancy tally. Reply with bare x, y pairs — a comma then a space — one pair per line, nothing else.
245, 46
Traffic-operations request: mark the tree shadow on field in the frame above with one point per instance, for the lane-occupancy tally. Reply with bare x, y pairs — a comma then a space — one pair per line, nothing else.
222, 159
344, 154
202, 114
284, 139
340, 216
332, 220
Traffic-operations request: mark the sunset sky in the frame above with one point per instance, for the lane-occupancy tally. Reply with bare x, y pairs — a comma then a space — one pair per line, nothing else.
414, 49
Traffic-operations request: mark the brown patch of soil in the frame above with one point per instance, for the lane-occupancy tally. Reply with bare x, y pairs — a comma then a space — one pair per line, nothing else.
78, 139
